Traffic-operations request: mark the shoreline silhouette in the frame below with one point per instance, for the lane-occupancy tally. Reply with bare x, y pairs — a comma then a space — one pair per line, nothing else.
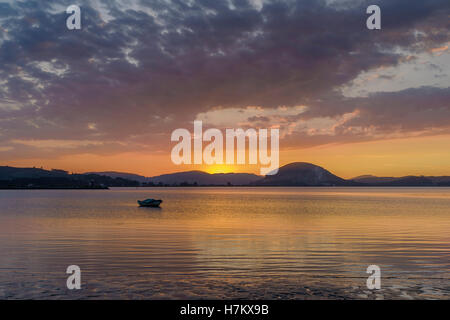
297, 174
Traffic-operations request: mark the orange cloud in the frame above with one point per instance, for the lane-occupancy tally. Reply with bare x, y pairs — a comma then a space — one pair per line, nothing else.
439, 50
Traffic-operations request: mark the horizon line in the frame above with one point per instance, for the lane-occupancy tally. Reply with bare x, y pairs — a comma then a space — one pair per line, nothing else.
216, 173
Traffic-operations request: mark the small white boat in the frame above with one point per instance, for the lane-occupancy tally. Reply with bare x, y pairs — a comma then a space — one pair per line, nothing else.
149, 203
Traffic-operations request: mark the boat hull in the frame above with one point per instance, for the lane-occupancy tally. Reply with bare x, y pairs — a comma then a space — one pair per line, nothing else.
152, 204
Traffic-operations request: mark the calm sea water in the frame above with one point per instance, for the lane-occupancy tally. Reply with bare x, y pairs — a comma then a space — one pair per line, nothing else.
232, 243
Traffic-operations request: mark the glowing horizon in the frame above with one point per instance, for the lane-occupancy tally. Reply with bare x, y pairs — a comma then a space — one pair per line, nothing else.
412, 156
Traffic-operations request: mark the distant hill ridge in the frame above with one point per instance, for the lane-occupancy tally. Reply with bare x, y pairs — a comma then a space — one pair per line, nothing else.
404, 181
123, 175
35, 178
8, 173
293, 174
190, 177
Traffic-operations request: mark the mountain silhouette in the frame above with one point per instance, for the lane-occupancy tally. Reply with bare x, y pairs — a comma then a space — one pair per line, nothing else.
408, 181
204, 178
123, 175
370, 179
38, 178
303, 174
293, 174
189, 177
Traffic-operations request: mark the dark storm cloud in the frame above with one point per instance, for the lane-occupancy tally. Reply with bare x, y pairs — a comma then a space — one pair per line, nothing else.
136, 72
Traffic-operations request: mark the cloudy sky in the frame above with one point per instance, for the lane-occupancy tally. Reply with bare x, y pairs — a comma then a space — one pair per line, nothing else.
108, 96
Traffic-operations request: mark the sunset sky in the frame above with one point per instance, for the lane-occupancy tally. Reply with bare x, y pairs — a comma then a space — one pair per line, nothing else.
107, 97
